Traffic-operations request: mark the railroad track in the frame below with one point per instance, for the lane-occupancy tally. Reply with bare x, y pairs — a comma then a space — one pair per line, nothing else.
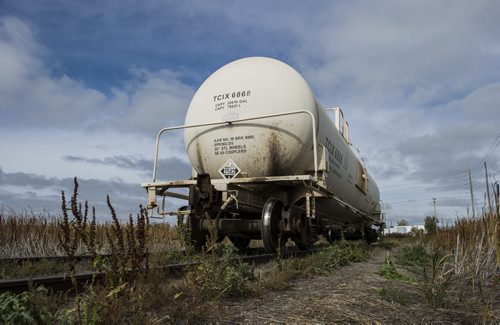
64, 258
65, 282
37, 259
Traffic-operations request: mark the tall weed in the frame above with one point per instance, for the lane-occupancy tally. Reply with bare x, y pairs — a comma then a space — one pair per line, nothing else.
437, 281
472, 248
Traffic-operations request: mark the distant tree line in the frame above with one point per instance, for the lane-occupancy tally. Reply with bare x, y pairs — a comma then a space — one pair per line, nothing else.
430, 224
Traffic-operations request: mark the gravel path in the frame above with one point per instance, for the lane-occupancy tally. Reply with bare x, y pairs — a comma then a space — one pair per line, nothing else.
350, 294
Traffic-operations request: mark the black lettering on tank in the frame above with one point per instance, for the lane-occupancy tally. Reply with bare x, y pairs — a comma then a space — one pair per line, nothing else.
335, 157
232, 145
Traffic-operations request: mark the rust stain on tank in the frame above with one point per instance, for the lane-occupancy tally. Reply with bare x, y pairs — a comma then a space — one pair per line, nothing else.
281, 157
274, 149
199, 157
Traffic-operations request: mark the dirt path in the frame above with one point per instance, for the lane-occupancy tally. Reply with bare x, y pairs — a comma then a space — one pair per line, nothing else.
350, 294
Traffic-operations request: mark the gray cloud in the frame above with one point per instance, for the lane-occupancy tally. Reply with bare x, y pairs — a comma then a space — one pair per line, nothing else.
42, 193
383, 170
416, 54
28, 202
171, 168
26, 180
464, 132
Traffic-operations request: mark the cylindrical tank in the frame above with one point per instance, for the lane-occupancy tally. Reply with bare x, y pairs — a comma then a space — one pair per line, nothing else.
246, 88
276, 146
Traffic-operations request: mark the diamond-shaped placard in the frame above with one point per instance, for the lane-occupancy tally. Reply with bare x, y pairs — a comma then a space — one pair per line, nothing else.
229, 170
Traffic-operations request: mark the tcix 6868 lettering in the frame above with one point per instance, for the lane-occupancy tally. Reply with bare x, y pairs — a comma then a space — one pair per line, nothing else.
234, 94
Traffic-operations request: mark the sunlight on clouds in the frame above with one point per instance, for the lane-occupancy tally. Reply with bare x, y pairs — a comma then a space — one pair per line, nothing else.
17, 50
33, 97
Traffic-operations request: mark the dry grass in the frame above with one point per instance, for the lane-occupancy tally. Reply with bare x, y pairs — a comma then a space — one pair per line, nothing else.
131, 292
32, 234
472, 246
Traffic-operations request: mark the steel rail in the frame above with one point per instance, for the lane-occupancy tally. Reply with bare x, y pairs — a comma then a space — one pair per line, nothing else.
37, 259
66, 282
64, 258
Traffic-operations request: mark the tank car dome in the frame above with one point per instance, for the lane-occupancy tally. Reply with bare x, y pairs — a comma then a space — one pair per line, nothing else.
246, 88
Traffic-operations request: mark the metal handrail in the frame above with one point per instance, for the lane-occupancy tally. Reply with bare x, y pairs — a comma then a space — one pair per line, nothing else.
311, 115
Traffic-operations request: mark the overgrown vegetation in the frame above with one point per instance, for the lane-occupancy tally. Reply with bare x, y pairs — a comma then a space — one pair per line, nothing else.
135, 292
436, 282
414, 256
339, 254
430, 274
455, 267
30, 307
31, 234
471, 251
217, 277
431, 225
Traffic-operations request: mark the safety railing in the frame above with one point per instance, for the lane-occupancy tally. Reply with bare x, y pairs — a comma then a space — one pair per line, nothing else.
311, 115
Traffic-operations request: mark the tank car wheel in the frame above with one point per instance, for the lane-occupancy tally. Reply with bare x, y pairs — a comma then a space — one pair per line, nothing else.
332, 236
271, 225
302, 238
240, 243
369, 234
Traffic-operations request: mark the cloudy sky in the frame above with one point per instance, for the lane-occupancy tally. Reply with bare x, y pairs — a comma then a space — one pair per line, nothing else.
85, 85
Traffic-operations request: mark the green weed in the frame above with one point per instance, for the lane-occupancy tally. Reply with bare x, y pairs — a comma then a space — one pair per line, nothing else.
339, 254
390, 272
414, 256
436, 283
221, 277
29, 307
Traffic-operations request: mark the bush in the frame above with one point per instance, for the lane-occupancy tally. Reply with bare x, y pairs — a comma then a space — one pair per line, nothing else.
414, 256
29, 307
340, 254
220, 277
431, 225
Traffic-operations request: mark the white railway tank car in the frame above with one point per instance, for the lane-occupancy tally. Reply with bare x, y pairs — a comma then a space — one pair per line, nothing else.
268, 162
